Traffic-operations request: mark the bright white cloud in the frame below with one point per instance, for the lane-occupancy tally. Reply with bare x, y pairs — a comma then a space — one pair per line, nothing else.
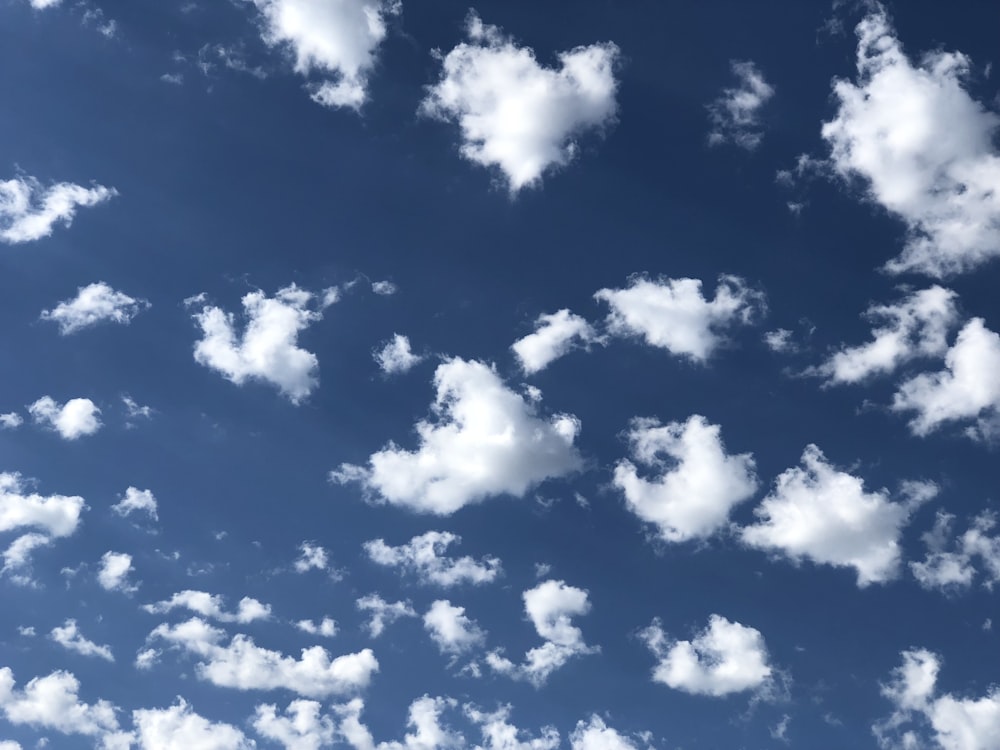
951, 569
554, 336
698, 483
424, 720
114, 570
424, 557
822, 514
211, 605
381, 613
450, 628
267, 349
500, 734
68, 636
17, 557
924, 148
29, 211
735, 115
311, 557
136, 501
147, 658
596, 735
338, 41
11, 420
180, 728
302, 727
515, 114
74, 419
726, 657
53, 703
42, 4
395, 356
57, 515
327, 627
674, 315
486, 441
94, 304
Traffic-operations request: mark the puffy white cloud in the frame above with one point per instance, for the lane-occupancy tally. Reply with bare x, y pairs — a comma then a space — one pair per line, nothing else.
485, 441
949, 570
925, 149
29, 211
596, 735
424, 719
424, 556
674, 315
916, 326
384, 288
267, 350
68, 636
515, 114
136, 501
93, 304
245, 666
382, 613
311, 557
698, 483
113, 574
52, 702
74, 419
339, 41
450, 628
17, 557
180, 728
302, 727
551, 606
954, 723
554, 336
735, 115
327, 627
726, 657
11, 420
822, 514
395, 356
147, 658
966, 389
58, 515
500, 734
211, 605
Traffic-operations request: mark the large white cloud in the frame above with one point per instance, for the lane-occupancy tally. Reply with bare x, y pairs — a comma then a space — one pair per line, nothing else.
486, 441
424, 556
451, 629
68, 636
822, 514
514, 113
114, 571
94, 304
180, 728
337, 40
924, 148
698, 483
673, 314
211, 605
735, 115
726, 657
302, 727
554, 336
74, 419
268, 347
29, 211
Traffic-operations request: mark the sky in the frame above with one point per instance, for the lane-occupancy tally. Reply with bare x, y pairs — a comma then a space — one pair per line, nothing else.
394, 376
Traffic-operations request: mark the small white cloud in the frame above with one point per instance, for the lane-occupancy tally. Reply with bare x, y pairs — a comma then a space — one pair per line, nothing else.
135, 410
113, 574
29, 211
950, 570
735, 115
555, 335
94, 304
17, 557
27, 631
779, 340
450, 628
211, 605
311, 557
147, 658
327, 627
424, 719
673, 314
515, 114
395, 356
302, 727
136, 501
500, 734
180, 728
596, 735
11, 420
53, 703
74, 419
69, 637
424, 557
57, 515
382, 613
384, 288
43, 4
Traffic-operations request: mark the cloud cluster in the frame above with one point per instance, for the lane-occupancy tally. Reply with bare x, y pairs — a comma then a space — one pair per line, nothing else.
952, 569
29, 211
381, 613
735, 115
68, 636
180, 728
451, 629
76, 418
424, 557
94, 304
211, 605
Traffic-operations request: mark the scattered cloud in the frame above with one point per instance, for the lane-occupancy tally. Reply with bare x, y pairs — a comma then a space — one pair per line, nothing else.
114, 571
423, 556
555, 335
135, 410
136, 501
211, 605
500, 734
180, 728
17, 557
29, 211
450, 628
382, 613
311, 557
327, 627
68, 636
780, 340
302, 727
954, 569
94, 304
395, 356
735, 115
424, 719
74, 419
596, 735
384, 288
11, 420
53, 703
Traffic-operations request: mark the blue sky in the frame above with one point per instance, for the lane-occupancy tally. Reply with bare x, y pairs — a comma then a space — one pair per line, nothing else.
601, 376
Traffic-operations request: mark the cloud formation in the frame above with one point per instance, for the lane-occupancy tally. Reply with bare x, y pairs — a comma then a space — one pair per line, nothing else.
29, 211
554, 336
76, 418
114, 570
211, 605
424, 557
395, 356
94, 304
68, 636
735, 115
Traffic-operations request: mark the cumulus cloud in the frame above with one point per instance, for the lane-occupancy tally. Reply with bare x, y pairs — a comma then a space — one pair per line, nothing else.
267, 349
735, 115
384, 288
382, 613
673, 314
952, 569
211, 605
327, 627
726, 657
424, 719
336, 41
486, 441
596, 735
94, 304
450, 628
311, 557
114, 570
74, 419
499, 734
68, 636
698, 482
551, 606
180, 728
395, 355
17, 557
424, 557
29, 211
819, 513
554, 336
924, 149
11, 420
302, 727
136, 501
515, 114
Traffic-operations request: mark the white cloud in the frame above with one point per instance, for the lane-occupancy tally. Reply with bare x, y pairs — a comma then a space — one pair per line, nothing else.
58, 515
966, 389
674, 315
551, 606
180, 728
395, 356
924, 148
384, 288
424, 556
29, 211
135, 410
339, 41
68, 636
382, 613
311, 557
267, 350
211, 605
147, 658
917, 326
424, 719
698, 483
302, 727
950, 570
555, 335
94, 304
327, 627
486, 441
42, 4
726, 657
954, 723
515, 114
500, 734
450, 628
72, 420
53, 702
735, 115
822, 514
136, 501
113, 575
17, 557
596, 735
11, 420
779, 340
